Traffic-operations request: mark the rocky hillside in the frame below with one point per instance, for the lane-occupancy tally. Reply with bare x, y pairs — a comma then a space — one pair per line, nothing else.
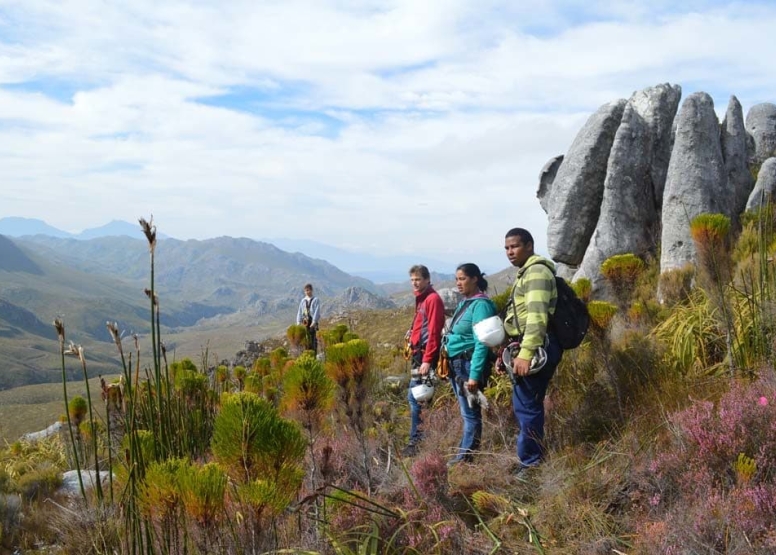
641, 168
203, 286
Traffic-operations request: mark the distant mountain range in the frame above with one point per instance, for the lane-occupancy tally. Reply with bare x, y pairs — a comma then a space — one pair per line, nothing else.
213, 288
19, 227
378, 269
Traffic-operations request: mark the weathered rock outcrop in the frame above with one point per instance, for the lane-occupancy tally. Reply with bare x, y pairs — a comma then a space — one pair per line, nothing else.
450, 297
629, 221
696, 181
765, 188
628, 216
734, 141
761, 125
358, 297
658, 105
575, 196
639, 171
546, 179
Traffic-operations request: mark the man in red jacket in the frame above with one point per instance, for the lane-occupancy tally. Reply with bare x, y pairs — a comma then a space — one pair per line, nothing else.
425, 339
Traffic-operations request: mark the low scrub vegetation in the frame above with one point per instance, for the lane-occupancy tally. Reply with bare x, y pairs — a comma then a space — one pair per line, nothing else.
660, 437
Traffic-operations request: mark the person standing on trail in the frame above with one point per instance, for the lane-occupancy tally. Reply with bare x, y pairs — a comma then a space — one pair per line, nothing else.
470, 361
424, 340
308, 315
534, 297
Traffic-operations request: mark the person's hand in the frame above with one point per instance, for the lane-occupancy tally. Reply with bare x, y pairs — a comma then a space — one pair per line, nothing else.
499, 367
424, 368
471, 385
521, 367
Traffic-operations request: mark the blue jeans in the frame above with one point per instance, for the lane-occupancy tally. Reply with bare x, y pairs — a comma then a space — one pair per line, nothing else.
472, 417
528, 406
415, 419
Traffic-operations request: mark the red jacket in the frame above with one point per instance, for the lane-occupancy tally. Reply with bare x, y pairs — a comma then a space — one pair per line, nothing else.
426, 331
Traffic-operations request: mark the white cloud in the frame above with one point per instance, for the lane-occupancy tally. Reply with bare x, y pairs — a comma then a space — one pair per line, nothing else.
399, 126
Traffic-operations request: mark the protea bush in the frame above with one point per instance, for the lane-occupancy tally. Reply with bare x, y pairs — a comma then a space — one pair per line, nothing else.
601, 315
307, 391
675, 285
278, 358
262, 366
583, 287
239, 375
253, 441
711, 234
621, 272
298, 337
203, 491
77, 408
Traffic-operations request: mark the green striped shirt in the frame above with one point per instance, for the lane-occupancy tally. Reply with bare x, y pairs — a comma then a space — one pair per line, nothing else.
534, 295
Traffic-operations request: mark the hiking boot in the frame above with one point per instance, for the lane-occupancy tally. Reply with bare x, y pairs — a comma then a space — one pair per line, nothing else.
524, 473
410, 450
458, 460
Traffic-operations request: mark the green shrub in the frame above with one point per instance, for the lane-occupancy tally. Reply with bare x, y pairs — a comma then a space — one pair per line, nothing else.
40, 482
252, 441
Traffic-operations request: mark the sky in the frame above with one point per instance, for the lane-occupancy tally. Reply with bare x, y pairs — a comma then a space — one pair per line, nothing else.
384, 127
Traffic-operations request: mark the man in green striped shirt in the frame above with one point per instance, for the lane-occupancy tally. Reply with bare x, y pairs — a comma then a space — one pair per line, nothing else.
534, 296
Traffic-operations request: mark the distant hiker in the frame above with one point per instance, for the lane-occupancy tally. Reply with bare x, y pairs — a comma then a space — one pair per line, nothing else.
470, 361
534, 296
424, 340
308, 315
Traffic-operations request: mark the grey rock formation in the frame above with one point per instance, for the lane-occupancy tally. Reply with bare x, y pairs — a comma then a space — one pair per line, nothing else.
450, 297
765, 188
358, 297
761, 124
734, 141
546, 179
629, 220
565, 271
696, 181
658, 105
635, 178
43, 434
70, 485
575, 197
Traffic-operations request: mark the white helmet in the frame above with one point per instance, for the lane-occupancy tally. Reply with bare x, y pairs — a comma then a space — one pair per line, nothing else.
490, 331
423, 392
537, 362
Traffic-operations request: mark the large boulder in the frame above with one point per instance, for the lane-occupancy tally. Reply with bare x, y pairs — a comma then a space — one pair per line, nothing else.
765, 188
734, 141
629, 220
546, 179
71, 486
574, 202
761, 125
696, 181
657, 106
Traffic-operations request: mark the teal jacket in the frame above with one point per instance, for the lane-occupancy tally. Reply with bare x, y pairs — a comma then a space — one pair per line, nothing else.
461, 338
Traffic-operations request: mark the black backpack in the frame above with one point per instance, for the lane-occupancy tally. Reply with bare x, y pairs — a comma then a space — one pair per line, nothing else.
571, 319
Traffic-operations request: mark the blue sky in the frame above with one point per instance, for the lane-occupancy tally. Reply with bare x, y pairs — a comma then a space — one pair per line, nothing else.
388, 127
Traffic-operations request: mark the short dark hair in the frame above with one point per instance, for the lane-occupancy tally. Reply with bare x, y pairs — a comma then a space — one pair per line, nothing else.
421, 270
473, 271
524, 234
308, 286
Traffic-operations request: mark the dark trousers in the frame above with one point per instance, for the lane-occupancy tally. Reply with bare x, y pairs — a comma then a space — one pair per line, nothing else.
528, 406
313, 339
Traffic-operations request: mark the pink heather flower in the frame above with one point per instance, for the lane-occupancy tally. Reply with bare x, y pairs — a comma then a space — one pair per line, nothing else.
763, 401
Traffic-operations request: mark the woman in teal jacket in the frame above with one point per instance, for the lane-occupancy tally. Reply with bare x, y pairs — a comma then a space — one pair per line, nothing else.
469, 358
